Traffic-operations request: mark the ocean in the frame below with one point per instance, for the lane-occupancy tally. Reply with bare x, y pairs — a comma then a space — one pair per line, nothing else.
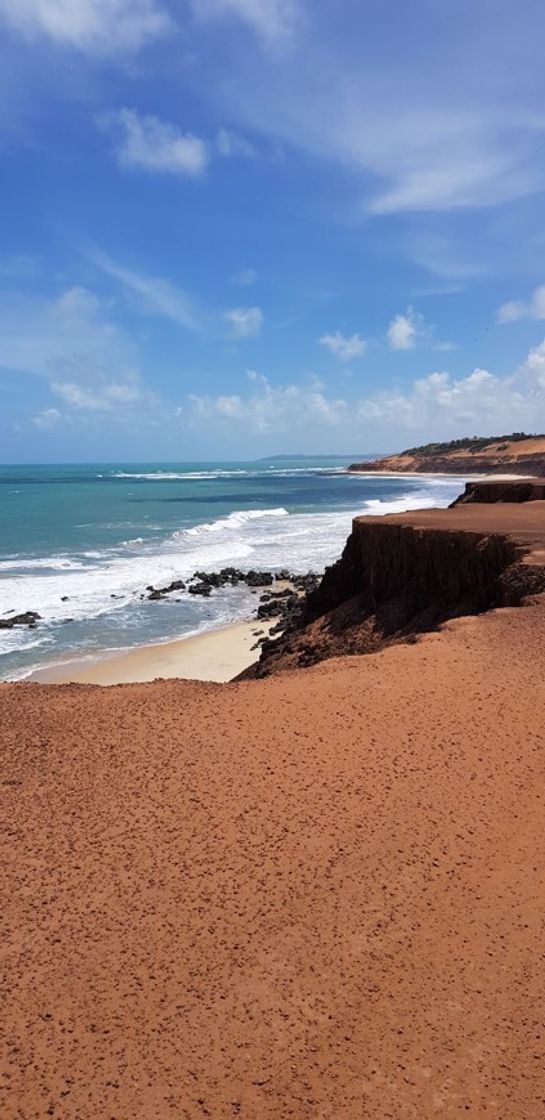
80, 544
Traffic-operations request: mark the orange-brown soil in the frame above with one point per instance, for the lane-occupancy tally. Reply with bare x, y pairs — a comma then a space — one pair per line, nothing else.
525, 456
318, 895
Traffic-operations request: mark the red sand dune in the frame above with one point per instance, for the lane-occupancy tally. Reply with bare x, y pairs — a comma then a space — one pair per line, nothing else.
320, 895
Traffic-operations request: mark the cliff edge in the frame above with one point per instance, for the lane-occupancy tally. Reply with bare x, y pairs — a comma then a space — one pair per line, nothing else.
404, 574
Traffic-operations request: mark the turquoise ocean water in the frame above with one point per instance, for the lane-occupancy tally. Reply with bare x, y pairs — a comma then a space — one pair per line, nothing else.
99, 534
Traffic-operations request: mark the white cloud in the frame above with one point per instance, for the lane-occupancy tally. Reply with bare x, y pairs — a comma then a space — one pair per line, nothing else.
538, 303
513, 310
405, 330
244, 279
157, 295
343, 346
273, 21
438, 406
459, 183
73, 342
422, 141
97, 393
481, 402
47, 419
231, 144
35, 332
534, 365
271, 408
244, 322
101, 26
150, 144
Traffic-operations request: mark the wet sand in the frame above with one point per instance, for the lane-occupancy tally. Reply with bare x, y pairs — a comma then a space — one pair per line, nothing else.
216, 655
320, 895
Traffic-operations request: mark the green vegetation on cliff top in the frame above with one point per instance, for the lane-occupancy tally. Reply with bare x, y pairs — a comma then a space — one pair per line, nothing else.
469, 443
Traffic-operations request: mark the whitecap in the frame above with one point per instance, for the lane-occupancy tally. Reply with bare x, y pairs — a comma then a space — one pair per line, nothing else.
234, 521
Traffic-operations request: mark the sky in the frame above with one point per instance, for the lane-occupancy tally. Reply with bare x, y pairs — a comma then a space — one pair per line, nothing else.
235, 228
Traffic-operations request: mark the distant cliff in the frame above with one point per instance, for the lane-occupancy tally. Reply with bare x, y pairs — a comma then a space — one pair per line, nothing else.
515, 454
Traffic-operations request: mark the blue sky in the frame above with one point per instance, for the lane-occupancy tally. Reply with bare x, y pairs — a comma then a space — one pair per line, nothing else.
234, 228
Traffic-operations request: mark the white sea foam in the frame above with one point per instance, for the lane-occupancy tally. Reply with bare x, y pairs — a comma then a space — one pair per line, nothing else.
238, 472
161, 476
233, 522
399, 505
56, 563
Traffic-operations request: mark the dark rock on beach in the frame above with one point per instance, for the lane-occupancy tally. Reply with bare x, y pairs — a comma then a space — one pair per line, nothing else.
200, 588
29, 618
284, 604
160, 592
259, 579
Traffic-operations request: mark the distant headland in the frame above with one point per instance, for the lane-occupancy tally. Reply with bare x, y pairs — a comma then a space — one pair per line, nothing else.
517, 453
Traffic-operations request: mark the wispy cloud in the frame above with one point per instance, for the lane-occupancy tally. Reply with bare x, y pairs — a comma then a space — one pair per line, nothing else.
345, 347
231, 144
20, 266
92, 26
534, 308
424, 141
244, 322
157, 296
467, 179
147, 143
273, 21
438, 255
72, 341
47, 419
37, 332
244, 279
97, 393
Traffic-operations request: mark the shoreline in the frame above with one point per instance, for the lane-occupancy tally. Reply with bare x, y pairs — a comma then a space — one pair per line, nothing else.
213, 655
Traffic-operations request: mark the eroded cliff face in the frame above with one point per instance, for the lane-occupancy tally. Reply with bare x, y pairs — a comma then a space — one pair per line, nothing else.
505, 490
455, 464
395, 581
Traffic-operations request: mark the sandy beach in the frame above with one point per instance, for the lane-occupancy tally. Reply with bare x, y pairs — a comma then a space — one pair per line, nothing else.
216, 655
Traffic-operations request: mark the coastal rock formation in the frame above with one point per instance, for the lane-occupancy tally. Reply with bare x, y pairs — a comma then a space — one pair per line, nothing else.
402, 575
515, 454
485, 491
28, 618
203, 583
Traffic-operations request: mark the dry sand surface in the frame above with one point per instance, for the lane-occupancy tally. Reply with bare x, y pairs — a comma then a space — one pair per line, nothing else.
320, 895
216, 655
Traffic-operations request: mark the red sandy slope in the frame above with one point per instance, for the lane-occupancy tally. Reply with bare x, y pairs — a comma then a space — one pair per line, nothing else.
320, 895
